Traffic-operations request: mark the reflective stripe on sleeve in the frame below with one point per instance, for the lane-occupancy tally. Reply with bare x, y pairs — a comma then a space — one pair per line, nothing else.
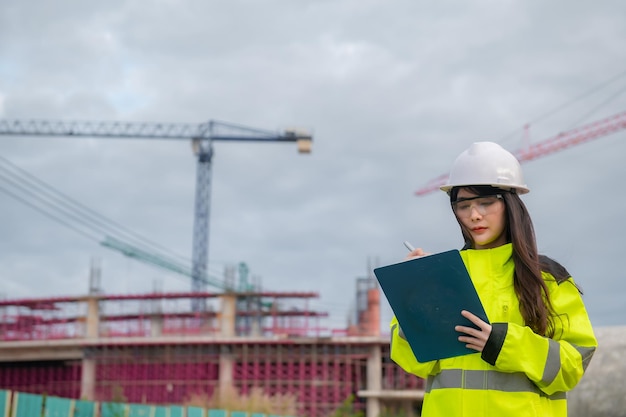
486, 380
553, 363
586, 353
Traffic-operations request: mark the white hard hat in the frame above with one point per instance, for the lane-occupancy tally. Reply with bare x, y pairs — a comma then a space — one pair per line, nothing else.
487, 163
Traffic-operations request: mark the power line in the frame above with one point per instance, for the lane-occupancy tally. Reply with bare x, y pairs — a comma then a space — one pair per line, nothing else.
45, 199
578, 98
38, 196
40, 189
49, 215
568, 103
599, 106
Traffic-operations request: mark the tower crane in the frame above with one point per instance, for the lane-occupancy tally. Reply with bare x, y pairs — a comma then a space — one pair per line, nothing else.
551, 145
202, 136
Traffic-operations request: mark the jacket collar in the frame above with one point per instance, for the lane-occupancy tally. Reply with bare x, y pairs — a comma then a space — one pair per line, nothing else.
500, 255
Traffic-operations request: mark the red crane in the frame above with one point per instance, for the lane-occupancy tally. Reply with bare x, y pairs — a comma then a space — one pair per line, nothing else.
556, 143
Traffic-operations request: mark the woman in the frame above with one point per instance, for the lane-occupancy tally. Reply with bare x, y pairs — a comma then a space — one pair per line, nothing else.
540, 339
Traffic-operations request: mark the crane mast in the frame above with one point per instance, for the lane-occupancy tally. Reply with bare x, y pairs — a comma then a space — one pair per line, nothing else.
202, 137
203, 149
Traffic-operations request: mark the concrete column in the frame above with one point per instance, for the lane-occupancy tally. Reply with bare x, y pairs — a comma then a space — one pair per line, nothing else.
93, 318
156, 325
226, 365
88, 379
227, 315
374, 381
373, 308
256, 328
88, 368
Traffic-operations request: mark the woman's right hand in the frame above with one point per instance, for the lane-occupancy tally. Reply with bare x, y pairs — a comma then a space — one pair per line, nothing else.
417, 253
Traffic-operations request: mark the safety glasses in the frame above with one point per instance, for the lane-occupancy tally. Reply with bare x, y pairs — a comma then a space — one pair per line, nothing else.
483, 205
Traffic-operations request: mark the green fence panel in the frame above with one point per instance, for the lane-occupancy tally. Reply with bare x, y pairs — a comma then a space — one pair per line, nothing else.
5, 398
32, 405
195, 412
110, 409
57, 407
27, 405
213, 412
140, 410
160, 411
84, 408
176, 411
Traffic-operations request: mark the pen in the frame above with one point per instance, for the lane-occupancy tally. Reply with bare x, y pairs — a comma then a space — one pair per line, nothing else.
409, 246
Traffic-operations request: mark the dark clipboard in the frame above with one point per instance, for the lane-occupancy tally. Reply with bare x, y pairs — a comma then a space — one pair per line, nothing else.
427, 295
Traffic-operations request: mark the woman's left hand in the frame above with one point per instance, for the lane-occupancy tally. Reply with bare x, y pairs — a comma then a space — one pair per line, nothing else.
474, 338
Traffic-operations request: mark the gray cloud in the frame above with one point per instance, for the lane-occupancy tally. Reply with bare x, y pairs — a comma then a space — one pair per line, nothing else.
392, 93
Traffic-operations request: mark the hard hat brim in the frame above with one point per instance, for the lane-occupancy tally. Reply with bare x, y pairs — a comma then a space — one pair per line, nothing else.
518, 189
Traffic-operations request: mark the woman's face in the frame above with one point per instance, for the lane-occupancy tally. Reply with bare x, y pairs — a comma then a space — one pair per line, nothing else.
483, 217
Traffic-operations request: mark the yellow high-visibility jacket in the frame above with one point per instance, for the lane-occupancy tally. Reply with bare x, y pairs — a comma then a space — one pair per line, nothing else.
519, 373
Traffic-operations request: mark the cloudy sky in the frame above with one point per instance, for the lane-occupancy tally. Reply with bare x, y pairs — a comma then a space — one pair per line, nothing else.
392, 91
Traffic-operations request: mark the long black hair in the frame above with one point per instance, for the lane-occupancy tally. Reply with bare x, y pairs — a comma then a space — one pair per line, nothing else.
532, 292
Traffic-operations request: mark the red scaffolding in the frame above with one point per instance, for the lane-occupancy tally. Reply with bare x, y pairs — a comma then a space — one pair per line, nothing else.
152, 349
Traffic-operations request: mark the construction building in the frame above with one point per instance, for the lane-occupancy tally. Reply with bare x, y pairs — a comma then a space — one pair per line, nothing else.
156, 349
